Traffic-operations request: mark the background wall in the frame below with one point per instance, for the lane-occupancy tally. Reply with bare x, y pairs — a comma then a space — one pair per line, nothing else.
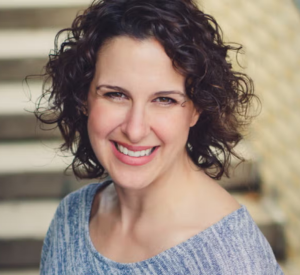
270, 33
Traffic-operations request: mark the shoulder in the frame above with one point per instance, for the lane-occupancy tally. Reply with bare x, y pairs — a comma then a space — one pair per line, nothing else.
68, 224
70, 207
77, 201
239, 245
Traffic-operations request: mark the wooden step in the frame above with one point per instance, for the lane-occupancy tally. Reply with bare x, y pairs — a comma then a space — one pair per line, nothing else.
36, 18
16, 4
18, 98
26, 43
17, 105
243, 176
39, 14
21, 235
20, 272
291, 265
18, 69
27, 157
38, 185
33, 170
24, 52
15, 127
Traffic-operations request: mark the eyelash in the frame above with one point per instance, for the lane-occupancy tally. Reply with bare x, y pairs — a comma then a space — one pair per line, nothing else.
115, 95
121, 96
170, 100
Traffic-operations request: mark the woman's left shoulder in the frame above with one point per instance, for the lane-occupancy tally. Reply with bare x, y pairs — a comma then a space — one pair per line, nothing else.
244, 246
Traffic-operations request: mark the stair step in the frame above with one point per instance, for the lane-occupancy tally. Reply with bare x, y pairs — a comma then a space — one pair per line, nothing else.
16, 4
17, 120
34, 18
38, 185
34, 170
16, 127
21, 235
291, 265
39, 14
34, 226
18, 69
26, 43
28, 157
24, 52
243, 176
18, 98
20, 272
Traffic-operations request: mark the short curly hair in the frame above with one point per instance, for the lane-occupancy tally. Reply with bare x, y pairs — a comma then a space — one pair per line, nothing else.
191, 39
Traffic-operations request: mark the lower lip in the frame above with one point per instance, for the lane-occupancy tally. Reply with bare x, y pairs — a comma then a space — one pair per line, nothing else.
134, 161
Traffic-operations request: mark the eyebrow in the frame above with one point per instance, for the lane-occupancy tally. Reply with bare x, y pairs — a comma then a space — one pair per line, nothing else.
170, 92
160, 93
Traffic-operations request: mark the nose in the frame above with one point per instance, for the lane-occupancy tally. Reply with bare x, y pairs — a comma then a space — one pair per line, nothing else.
136, 125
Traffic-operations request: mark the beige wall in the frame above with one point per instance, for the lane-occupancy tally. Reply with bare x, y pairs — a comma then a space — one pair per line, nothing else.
270, 32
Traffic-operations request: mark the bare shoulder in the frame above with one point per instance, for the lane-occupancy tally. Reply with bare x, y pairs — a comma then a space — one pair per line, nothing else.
217, 203
224, 199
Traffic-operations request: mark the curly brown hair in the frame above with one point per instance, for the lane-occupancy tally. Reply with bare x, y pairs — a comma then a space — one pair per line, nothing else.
192, 40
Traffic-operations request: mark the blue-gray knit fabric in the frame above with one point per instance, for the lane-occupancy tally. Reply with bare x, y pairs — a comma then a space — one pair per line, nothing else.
234, 245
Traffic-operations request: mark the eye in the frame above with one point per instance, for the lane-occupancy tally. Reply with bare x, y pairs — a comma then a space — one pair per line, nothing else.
165, 100
116, 95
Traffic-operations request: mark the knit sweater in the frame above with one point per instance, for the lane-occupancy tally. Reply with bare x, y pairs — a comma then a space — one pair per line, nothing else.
234, 245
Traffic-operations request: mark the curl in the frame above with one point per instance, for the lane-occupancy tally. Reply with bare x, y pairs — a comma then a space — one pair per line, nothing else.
192, 40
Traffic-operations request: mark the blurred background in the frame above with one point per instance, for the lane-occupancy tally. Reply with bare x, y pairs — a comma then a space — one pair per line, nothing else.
32, 181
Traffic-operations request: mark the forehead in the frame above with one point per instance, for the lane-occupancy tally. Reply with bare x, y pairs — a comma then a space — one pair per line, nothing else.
135, 63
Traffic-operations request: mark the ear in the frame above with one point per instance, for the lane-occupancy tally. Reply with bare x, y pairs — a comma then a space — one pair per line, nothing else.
195, 116
84, 109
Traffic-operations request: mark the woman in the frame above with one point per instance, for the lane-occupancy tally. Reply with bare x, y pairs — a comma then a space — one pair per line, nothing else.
142, 91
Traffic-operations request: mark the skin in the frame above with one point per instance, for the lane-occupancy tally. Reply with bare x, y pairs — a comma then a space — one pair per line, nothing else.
168, 192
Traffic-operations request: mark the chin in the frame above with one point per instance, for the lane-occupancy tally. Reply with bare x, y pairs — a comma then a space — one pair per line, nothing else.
131, 181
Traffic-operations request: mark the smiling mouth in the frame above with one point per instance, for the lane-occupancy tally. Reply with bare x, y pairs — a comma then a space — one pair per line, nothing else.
136, 154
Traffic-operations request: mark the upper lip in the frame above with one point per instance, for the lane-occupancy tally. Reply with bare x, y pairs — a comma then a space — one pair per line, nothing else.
134, 148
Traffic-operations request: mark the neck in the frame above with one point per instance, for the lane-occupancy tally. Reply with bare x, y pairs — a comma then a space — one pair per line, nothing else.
163, 200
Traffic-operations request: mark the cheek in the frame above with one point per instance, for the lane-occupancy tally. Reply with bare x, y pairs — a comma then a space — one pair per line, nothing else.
102, 120
173, 126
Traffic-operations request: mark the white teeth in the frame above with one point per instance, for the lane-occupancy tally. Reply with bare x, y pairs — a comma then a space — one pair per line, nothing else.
135, 154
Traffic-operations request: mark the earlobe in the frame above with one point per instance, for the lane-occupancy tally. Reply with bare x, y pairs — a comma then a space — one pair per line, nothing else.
84, 110
195, 116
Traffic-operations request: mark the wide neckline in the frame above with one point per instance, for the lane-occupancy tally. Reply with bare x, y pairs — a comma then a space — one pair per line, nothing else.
94, 189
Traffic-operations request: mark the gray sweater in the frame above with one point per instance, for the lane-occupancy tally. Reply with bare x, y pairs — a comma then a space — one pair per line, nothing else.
234, 245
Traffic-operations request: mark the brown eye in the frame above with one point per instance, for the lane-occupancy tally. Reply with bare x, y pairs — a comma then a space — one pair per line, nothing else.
165, 100
115, 95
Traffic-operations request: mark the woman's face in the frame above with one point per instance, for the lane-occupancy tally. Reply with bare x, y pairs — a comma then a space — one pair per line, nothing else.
138, 114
